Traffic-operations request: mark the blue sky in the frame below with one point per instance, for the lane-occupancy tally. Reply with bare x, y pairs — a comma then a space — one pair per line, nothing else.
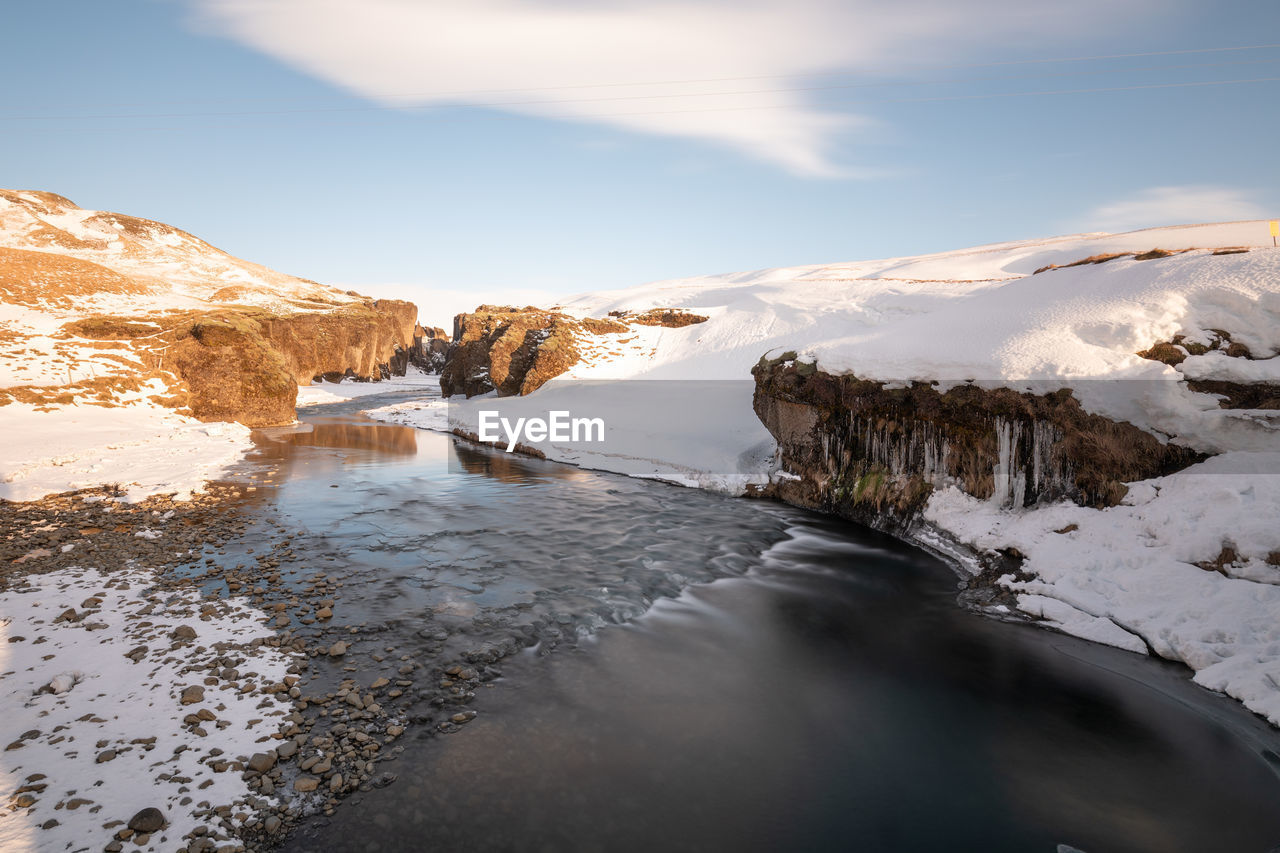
406, 147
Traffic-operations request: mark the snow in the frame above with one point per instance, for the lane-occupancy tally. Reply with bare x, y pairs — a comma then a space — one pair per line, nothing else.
413, 382
145, 448
1126, 576
99, 699
676, 432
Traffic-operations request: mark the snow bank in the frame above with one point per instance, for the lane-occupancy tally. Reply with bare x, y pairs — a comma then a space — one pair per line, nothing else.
102, 729
1127, 575
145, 448
691, 433
413, 382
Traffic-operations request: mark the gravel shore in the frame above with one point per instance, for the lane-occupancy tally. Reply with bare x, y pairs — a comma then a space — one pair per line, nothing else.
175, 676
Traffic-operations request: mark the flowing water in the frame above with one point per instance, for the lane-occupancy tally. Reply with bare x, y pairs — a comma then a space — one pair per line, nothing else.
705, 673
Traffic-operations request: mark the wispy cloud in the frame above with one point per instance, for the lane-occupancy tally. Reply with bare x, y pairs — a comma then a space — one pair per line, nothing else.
1173, 206
642, 65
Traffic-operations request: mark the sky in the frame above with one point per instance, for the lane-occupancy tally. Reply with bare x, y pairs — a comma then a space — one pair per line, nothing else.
517, 150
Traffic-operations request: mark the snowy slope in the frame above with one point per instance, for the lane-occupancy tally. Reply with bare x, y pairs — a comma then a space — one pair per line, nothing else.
174, 268
974, 313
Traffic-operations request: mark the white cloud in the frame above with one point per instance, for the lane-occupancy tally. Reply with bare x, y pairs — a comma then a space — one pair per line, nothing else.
407, 53
1173, 206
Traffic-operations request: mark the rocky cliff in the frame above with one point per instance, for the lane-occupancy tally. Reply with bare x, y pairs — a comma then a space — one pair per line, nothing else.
874, 451
430, 348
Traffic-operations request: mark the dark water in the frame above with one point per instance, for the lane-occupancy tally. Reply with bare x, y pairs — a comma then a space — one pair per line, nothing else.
734, 675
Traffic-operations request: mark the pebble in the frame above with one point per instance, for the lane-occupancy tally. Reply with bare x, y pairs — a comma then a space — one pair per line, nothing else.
193, 694
261, 762
306, 784
148, 820
338, 649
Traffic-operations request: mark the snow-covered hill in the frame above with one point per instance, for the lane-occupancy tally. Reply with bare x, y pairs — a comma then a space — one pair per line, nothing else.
974, 313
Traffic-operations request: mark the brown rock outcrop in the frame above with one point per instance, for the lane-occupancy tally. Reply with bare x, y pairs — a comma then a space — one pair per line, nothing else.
513, 350
245, 364
671, 318
1231, 395
430, 348
874, 454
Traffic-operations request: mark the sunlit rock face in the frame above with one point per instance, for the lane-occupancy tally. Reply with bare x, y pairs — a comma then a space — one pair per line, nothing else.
875, 451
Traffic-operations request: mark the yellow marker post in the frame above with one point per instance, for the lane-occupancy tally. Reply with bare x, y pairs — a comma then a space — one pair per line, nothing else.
1275, 230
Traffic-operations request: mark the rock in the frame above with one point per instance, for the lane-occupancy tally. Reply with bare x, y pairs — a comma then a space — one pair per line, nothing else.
105, 756
271, 824
338, 649
837, 431
184, 632
509, 349
306, 784
193, 694
324, 613
246, 366
335, 782
287, 749
379, 684
148, 820
261, 762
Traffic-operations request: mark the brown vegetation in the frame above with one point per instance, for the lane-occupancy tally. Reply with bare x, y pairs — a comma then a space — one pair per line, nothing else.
1149, 255
36, 279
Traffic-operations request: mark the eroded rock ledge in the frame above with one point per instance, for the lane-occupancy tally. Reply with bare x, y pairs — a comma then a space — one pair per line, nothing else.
873, 452
245, 364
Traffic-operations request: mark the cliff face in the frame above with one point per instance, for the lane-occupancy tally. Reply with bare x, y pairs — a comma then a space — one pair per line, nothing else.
874, 453
245, 365
368, 341
430, 348
517, 350
509, 349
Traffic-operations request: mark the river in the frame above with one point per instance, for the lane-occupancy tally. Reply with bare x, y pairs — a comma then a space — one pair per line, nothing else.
705, 673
